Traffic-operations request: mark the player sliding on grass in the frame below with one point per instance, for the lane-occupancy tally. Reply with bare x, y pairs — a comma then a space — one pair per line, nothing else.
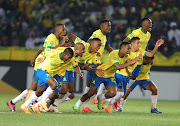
116, 61
146, 83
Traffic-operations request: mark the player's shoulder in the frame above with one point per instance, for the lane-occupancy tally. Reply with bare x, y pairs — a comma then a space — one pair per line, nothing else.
97, 31
137, 30
51, 36
114, 53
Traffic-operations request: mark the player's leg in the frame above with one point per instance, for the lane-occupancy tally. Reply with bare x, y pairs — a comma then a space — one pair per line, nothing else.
24, 94
110, 85
90, 79
153, 88
90, 93
85, 107
44, 79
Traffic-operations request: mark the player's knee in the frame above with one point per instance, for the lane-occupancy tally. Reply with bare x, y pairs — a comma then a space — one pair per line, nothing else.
112, 93
39, 93
154, 90
71, 90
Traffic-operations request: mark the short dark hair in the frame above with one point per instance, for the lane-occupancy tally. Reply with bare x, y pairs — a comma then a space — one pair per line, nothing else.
135, 38
103, 21
69, 51
144, 19
95, 39
59, 24
123, 44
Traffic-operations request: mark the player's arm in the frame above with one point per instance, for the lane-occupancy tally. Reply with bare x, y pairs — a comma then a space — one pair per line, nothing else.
72, 37
79, 72
152, 53
108, 47
36, 55
122, 66
129, 73
89, 68
62, 43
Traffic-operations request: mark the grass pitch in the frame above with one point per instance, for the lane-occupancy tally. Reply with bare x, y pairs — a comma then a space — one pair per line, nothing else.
135, 113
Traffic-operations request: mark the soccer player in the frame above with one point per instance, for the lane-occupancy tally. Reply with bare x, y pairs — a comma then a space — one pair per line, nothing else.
68, 87
144, 34
146, 83
54, 63
105, 28
116, 61
52, 41
123, 76
86, 59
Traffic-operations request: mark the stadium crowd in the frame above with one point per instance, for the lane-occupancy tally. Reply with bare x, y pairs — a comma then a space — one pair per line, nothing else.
28, 22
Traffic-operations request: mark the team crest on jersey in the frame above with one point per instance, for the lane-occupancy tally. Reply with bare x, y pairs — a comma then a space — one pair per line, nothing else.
51, 43
64, 79
131, 35
113, 79
119, 84
47, 75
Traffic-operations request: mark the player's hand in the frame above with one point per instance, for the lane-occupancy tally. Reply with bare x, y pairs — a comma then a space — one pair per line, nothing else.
159, 42
98, 54
134, 60
68, 44
140, 56
64, 39
81, 75
32, 62
100, 72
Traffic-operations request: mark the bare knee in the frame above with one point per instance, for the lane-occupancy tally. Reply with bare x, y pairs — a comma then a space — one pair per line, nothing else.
112, 93
154, 91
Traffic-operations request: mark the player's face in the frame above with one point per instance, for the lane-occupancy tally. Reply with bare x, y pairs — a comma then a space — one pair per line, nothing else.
107, 27
126, 50
66, 57
137, 44
62, 31
81, 51
95, 46
148, 25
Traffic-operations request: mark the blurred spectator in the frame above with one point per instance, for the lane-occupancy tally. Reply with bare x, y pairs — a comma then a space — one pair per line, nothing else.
174, 35
30, 42
19, 17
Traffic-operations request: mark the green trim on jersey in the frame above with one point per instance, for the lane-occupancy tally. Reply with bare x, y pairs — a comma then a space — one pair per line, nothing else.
60, 56
119, 55
143, 31
115, 63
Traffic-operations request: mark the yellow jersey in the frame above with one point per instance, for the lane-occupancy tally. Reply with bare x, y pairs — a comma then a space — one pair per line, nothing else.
53, 63
131, 57
144, 37
88, 57
70, 68
50, 41
109, 66
144, 73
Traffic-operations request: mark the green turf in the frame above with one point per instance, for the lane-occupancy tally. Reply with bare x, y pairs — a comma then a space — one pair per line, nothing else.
135, 113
